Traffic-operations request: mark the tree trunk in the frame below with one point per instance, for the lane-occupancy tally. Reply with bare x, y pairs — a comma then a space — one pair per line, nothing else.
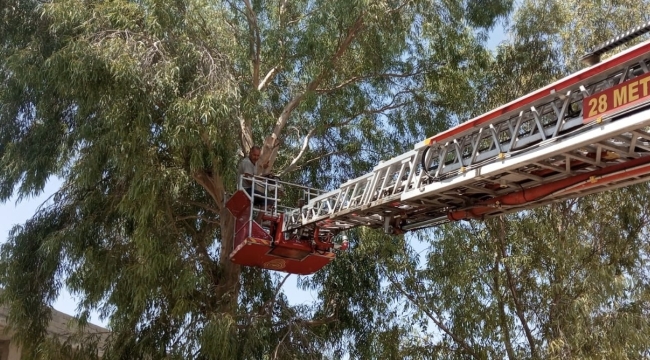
228, 283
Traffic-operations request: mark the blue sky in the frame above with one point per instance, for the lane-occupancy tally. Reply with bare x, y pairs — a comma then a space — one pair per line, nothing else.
13, 213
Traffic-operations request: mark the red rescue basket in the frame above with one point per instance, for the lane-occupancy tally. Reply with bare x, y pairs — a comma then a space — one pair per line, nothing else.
267, 246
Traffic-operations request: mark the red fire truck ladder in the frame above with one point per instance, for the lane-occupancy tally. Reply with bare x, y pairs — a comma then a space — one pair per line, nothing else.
583, 134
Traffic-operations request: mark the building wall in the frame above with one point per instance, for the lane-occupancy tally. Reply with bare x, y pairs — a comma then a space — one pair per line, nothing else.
61, 325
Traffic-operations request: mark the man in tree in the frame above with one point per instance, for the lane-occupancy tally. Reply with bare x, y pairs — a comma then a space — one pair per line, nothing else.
248, 167
139, 230
247, 170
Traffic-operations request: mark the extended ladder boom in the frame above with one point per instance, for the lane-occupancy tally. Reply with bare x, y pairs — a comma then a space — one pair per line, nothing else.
582, 134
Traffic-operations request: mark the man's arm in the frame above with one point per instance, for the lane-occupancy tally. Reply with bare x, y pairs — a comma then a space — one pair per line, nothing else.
264, 167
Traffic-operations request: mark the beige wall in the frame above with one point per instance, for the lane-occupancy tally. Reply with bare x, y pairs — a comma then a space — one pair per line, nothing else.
62, 325
8, 351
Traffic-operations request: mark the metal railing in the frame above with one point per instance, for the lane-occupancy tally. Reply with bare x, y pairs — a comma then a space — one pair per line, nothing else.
510, 148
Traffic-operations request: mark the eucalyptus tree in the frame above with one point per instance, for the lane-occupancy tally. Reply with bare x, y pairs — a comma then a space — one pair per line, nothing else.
569, 280
143, 109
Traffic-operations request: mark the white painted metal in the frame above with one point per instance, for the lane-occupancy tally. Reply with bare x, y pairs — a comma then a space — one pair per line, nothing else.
541, 141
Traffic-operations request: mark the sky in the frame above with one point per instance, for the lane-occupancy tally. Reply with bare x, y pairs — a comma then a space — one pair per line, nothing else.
16, 213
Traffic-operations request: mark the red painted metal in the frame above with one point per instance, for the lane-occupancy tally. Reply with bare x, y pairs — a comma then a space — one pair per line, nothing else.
618, 98
609, 174
558, 86
259, 253
611, 178
239, 204
255, 246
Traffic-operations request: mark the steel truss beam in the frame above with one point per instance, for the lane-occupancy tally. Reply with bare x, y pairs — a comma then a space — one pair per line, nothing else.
537, 140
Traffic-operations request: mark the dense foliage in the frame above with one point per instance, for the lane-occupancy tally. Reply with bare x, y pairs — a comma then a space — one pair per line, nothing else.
569, 280
143, 109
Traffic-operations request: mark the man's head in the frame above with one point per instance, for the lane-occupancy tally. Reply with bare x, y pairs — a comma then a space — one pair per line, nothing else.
254, 154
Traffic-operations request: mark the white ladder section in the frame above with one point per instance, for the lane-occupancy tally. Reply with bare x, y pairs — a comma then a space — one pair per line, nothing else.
538, 139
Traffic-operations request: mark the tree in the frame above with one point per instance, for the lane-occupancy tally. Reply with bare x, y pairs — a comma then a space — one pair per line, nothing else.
143, 109
568, 280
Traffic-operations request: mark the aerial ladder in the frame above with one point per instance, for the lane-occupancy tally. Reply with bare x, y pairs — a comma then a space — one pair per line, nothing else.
586, 133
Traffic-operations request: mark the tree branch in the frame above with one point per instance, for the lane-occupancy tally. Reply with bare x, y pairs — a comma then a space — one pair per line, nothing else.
269, 151
198, 244
268, 303
352, 33
212, 184
502, 313
355, 79
201, 205
513, 291
468, 349
198, 217
398, 7
277, 347
297, 321
317, 322
379, 110
210, 180
305, 146
246, 134
268, 78
256, 42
